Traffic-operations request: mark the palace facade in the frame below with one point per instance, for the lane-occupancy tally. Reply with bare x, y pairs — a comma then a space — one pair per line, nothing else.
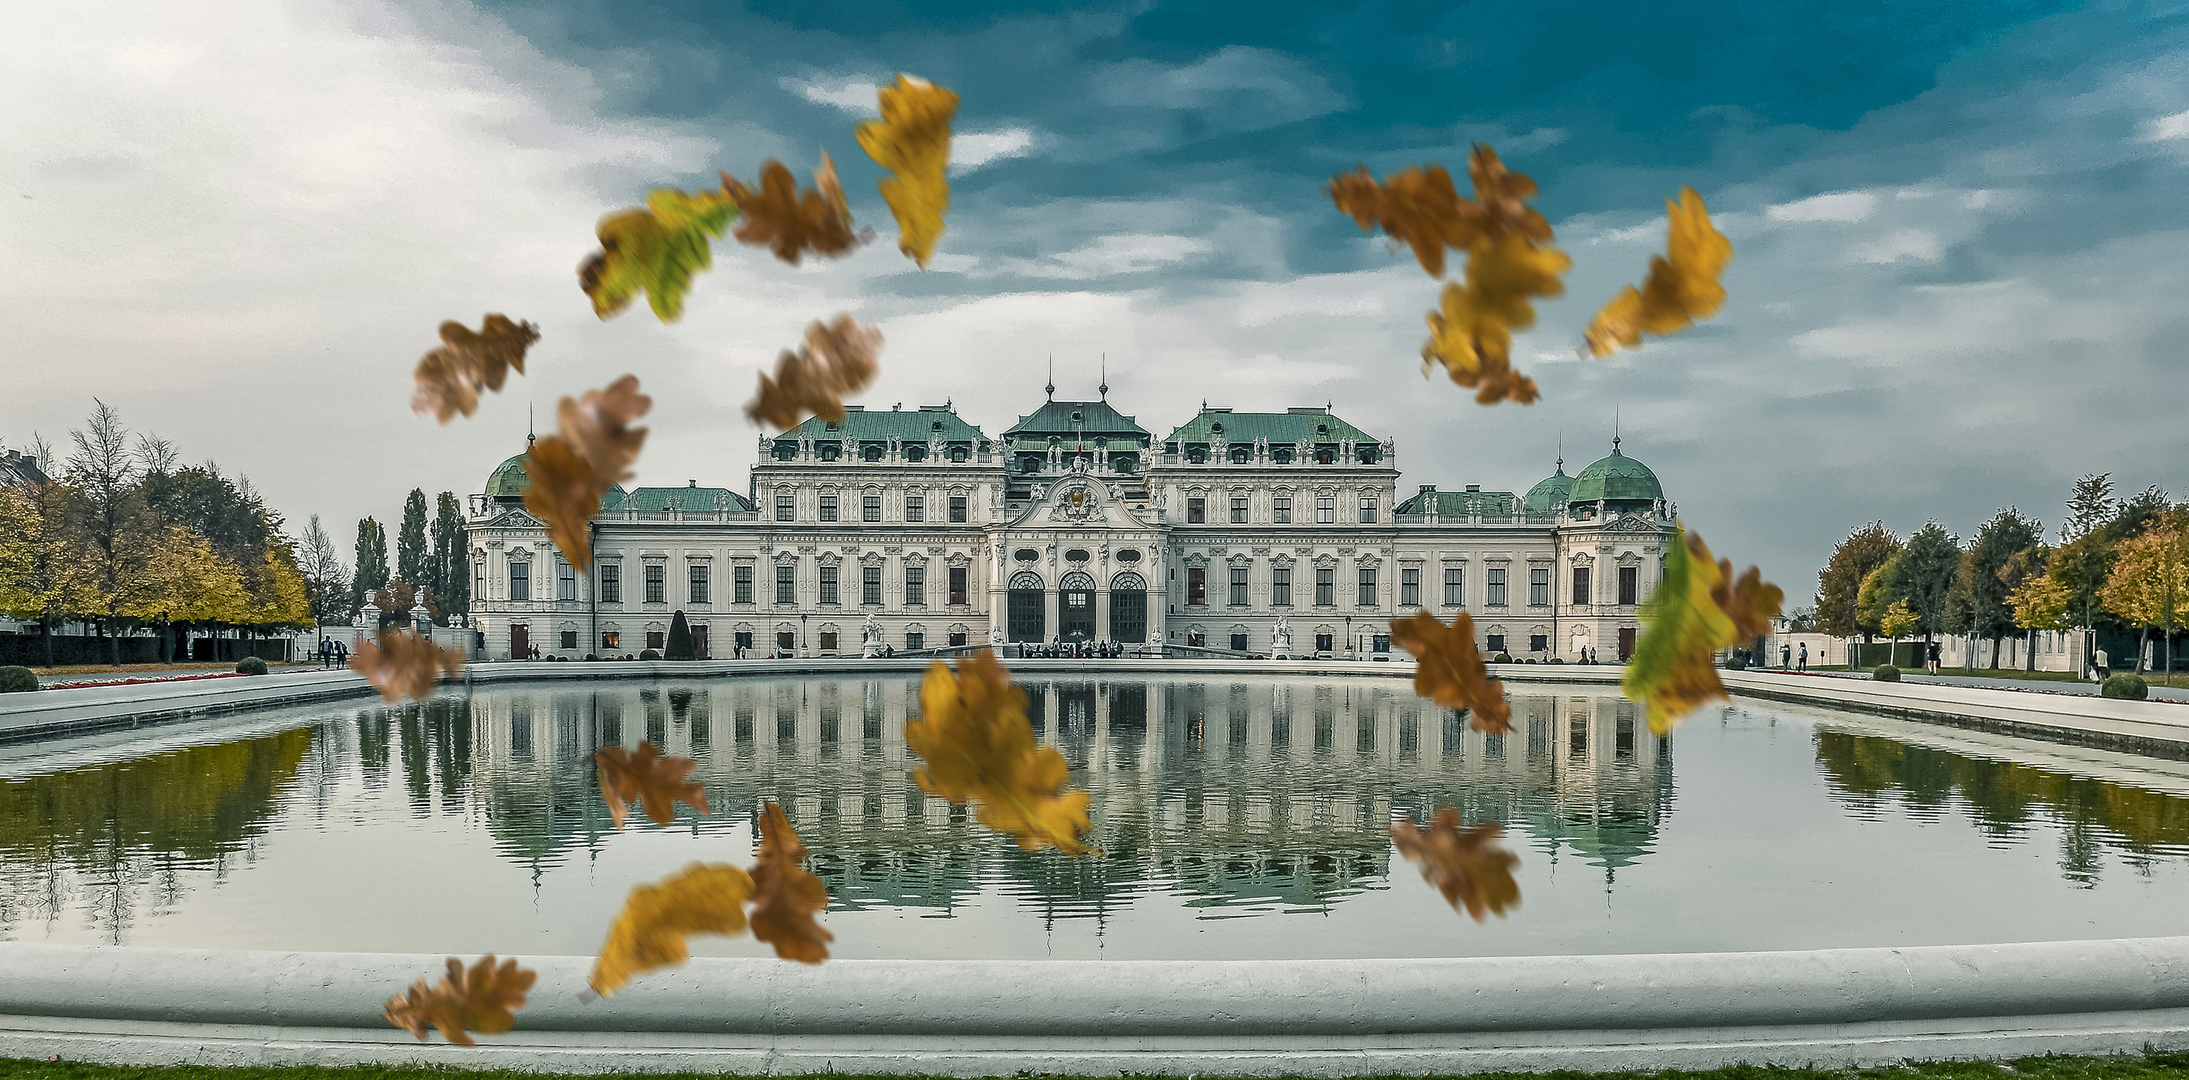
1077, 524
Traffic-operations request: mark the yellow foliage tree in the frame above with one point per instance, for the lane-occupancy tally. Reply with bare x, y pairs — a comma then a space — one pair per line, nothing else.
17, 526
2149, 585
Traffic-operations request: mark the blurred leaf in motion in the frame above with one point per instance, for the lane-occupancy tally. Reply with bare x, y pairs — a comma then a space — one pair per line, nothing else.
979, 747
449, 378
1449, 670
1419, 206
1682, 285
912, 141
837, 359
790, 224
404, 666
484, 999
1466, 865
655, 782
655, 249
571, 471
1698, 608
786, 896
1472, 334
649, 933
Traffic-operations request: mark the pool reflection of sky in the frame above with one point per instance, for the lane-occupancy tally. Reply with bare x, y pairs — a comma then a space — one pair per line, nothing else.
1237, 819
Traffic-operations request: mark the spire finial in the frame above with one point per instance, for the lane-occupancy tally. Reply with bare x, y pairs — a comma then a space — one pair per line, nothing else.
1051, 388
529, 429
1561, 450
1105, 387
1615, 429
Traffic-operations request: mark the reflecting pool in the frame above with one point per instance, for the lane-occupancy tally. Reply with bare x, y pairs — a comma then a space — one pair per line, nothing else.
1240, 818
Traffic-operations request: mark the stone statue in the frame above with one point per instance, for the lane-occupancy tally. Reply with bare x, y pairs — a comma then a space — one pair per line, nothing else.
995, 638
871, 638
1280, 640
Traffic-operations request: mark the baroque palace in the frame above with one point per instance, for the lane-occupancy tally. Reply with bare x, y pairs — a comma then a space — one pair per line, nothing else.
1237, 533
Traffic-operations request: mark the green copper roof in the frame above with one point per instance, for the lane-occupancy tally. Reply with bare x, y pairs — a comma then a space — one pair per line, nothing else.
1281, 429
1461, 504
1094, 418
862, 424
1551, 493
508, 481
690, 499
1616, 478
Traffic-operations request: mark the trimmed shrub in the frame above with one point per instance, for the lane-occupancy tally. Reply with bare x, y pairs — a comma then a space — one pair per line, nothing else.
590, 656
1503, 658
17, 680
251, 665
2127, 686
648, 654
680, 645
1736, 662
1885, 673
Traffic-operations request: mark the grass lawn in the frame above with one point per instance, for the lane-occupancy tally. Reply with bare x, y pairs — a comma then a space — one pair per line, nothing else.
2147, 1066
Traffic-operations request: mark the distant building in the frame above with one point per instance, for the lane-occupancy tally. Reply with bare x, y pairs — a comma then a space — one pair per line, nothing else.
20, 470
1077, 524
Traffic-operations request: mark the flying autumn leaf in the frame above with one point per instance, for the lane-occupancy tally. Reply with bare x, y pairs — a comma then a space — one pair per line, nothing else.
789, 224
570, 472
1419, 206
837, 359
1466, 865
1682, 285
1698, 608
1472, 334
1503, 197
785, 895
484, 999
1449, 671
912, 141
404, 666
657, 783
449, 378
649, 933
979, 747
655, 249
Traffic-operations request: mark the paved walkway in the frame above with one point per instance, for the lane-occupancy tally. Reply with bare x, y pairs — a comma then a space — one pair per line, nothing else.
2037, 686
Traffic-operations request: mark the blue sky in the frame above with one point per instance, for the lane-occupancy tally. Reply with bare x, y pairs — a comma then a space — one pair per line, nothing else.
1960, 231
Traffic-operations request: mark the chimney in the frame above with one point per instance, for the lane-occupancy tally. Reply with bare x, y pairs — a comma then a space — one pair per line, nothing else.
691, 483
1474, 487
1427, 488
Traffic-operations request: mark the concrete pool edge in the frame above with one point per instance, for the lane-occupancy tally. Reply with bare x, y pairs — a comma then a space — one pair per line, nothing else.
1837, 1007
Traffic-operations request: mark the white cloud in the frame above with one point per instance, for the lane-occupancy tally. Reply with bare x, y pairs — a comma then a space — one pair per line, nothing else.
1917, 245
1118, 253
2170, 127
1842, 206
970, 150
856, 94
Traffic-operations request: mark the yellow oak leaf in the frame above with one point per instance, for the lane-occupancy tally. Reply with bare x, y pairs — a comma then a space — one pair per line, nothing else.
837, 359
569, 472
1466, 865
1698, 608
786, 895
912, 141
450, 377
649, 933
979, 747
655, 249
1448, 669
1471, 334
1682, 285
657, 783
484, 999
404, 666
789, 223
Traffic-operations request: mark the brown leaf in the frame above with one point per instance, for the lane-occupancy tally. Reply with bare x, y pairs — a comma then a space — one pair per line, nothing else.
912, 141
1696, 609
1682, 285
979, 747
657, 783
1417, 206
1503, 197
789, 223
449, 378
1750, 602
837, 359
570, 472
484, 1000
786, 895
649, 933
1466, 865
1449, 670
404, 666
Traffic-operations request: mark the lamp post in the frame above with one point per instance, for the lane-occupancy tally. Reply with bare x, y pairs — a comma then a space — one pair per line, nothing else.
803, 651
1352, 651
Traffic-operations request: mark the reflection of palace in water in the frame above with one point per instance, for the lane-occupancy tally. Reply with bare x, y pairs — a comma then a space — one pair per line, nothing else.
1248, 791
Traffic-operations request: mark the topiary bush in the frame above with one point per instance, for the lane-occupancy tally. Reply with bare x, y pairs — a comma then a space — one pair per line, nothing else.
680, 645
1736, 662
251, 665
648, 654
1503, 658
1885, 673
17, 680
2125, 686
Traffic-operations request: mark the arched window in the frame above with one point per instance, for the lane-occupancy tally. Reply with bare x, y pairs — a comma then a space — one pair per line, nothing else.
1076, 607
1240, 454
1129, 608
1024, 616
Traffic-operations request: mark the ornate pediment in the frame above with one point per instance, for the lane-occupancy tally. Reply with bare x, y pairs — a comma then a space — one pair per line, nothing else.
1631, 523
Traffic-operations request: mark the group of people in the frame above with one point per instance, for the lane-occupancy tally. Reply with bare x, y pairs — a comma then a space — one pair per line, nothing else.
333, 653
1058, 649
1789, 658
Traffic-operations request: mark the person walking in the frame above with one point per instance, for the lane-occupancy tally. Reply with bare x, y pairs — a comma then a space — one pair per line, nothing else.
1786, 657
1802, 659
1932, 654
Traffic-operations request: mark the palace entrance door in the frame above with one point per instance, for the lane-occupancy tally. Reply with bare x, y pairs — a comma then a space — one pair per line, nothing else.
1076, 607
520, 642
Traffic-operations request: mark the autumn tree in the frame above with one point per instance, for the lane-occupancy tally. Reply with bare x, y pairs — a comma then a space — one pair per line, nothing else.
50, 576
370, 562
2149, 583
410, 541
1840, 585
451, 580
325, 590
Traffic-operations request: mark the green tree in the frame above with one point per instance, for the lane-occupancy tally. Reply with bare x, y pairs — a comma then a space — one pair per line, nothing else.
1926, 573
371, 562
2006, 535
410, 541
452, 581
1840, 584
111, 520
2089, 508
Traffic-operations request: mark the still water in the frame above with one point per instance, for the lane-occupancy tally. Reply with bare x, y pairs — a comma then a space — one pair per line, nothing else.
1238, 819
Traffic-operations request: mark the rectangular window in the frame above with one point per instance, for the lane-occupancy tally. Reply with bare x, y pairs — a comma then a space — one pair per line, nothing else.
569, 640
1198, 641
1238, 586
654, 639
1323, 643
741, 584
1539, 585
915, 587
828, 506
1326, 587
520, 581
786, 506
957, 586
1282, 505
957, 640
1630, 584
1497, 644
1326, 509
870, 508
786, 585
1539, 642
566, 582
701, 593
1368, 587
913, 639
1410, 587
611, 583
609, 639
1497, 587
870, 585
915, 506
828, 641
786, 642
1455, 586
1197, 511
828, 584
1581, 585
478, 579
1238, 643
1368, 509
1197, 586
1280, 587
957, 509
1238, 509
657, 583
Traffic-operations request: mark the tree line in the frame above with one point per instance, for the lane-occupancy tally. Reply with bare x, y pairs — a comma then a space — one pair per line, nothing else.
429, 563
2121, 565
